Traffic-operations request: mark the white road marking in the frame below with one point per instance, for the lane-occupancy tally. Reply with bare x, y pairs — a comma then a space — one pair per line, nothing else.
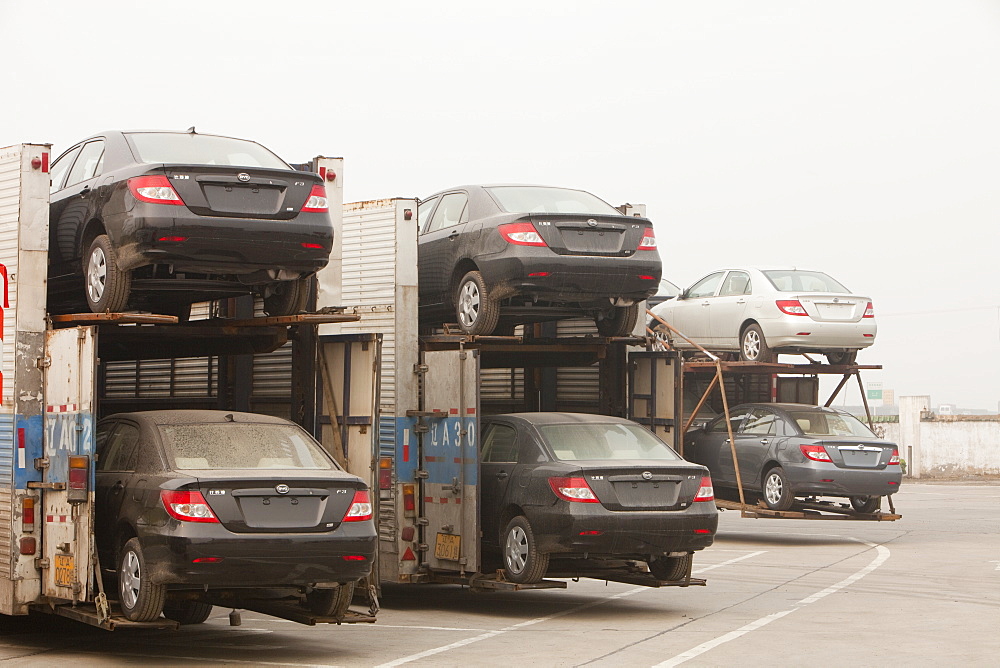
492, 634
881, 557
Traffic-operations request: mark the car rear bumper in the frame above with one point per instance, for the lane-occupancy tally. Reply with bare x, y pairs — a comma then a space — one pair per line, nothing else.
624, 533
573, 279
806, 335
828, 480
259, 560
223, 245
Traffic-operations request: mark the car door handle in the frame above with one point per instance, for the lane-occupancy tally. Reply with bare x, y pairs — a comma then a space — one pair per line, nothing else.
85, 191
501, 475
764, 441
706, 303
453, 235
117, 487
741, 301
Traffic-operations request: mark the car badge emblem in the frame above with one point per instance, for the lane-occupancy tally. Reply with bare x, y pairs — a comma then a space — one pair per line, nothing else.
646, 475
281, 489
243, 176
592, 222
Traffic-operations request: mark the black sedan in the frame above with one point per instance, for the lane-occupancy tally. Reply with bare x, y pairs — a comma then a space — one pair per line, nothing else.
492, 257
159, 220
587, 490
196, 508
786, 451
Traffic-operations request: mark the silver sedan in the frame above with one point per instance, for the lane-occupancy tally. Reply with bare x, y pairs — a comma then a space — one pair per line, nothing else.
762, 312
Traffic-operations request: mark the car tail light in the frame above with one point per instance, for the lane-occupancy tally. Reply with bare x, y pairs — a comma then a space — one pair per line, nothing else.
869, 311
355, 557
521, 234
895, 458
646, 278
705, 491
28, 514
317, 202
648, 240
573, 489
312, 246
79, 477
187, 506
173, 239
538, 274
817, 453
207, 560
791, 307
155, 190
385, 473
361, 507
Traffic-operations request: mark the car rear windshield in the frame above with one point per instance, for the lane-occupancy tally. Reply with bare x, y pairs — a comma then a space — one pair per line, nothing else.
536, 199
192, 149
582, 442
242, 446
793, 280
819, 423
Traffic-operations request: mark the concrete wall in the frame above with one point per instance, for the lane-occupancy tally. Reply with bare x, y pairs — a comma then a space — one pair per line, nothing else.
944, 445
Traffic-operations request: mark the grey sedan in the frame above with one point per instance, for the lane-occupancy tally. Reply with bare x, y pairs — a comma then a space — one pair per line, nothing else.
795, 450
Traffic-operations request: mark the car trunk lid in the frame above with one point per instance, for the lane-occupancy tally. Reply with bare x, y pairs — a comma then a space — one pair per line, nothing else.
279, 504
855, 454
834, 307
588, 234
241, 192
644, 485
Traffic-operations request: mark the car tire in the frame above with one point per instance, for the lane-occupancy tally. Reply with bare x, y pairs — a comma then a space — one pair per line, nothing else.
187, 612
671, 568
777, 493
477, 312
522, 562
331, 602
844, 357
286, 297
140, 599
753, 347
866, 504
620, 322
106, 286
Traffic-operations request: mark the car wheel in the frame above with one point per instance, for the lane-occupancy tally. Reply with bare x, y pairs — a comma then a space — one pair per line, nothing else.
476, 311
331, 602
753, 347
522, 562
847, 357
671, 568
777, 494
107, 286
620, 322
286, 297
187, 612
140, 599
866, 504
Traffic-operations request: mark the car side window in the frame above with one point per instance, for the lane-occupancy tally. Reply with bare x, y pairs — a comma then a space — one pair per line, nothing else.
499, 444
705, 287
737, 283
720, 424
449, 212
121, 450
87, 166
424, 213
59, 168
761, 422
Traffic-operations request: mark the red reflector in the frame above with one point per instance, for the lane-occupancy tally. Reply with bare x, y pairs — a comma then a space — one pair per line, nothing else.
28, 545
591, 533
45, 162
318, 246
408, 555
870, 336
539, 273
206, 560
177, 239
893, 483
803, 334
827, 480
702, 531
647, 278
354, 557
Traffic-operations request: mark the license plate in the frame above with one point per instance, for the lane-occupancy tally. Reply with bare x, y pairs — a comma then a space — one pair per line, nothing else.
447, 546
65, 570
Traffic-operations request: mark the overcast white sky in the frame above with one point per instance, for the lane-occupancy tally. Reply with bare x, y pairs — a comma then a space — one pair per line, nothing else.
858, 138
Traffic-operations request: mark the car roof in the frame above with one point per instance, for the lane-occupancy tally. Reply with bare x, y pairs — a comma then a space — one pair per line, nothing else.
473, 186
787, 407
548, 418
198, 417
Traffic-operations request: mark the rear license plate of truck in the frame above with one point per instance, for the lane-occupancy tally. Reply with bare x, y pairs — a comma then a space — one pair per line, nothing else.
65, 569
447, 546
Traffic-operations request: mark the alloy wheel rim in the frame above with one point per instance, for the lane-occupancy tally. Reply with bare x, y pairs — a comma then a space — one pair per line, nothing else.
468, 303
517, 549
751, 345
97, 275
773, 488
130, 579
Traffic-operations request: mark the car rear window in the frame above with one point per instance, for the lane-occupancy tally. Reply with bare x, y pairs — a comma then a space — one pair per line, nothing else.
582, 442
793, 280
193, 149
242, 446
819, 423
537, 199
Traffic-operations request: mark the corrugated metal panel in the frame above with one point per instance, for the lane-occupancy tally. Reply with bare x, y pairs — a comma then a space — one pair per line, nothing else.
10, 206
578, 388
272, 373
501, 385
368, 274
7, 495
387, 524
196, 377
